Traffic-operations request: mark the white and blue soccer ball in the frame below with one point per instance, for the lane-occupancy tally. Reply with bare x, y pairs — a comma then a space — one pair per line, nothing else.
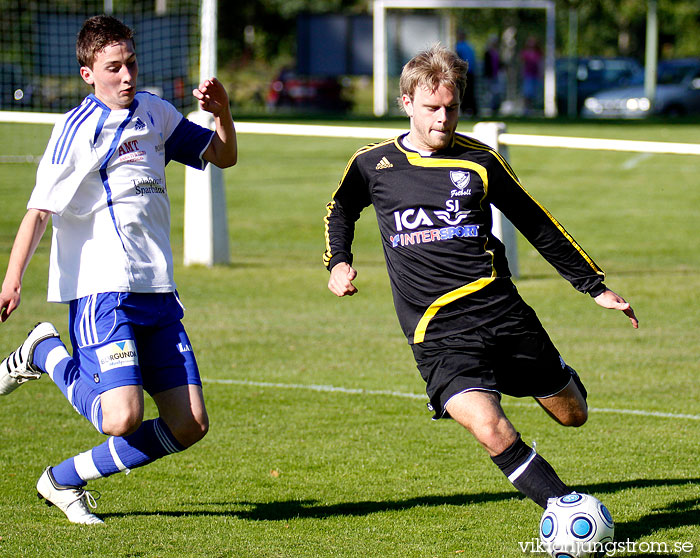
576, 526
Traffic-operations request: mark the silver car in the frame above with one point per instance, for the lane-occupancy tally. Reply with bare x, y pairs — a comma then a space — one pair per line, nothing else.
677, 94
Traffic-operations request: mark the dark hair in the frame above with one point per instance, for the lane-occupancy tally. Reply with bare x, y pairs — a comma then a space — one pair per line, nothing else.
96, 34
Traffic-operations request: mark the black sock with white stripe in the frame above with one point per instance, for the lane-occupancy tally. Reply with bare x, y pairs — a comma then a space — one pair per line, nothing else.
530, 473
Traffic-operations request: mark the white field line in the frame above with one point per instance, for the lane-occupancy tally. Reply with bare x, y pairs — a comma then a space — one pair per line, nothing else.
506, 138
423, 397
383, 133
601, 144
635, 161
29, 117
317, 130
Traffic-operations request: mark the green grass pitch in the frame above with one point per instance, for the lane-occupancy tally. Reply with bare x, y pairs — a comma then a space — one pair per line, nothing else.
291, 471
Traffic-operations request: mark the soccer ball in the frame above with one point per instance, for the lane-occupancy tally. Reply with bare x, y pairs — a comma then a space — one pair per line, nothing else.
576, 526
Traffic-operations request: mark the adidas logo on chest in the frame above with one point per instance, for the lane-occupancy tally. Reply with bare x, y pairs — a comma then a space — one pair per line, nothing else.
383, 164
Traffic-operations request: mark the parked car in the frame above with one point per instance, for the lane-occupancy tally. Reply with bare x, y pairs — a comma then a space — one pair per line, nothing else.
592, 74
291, 91
677, 94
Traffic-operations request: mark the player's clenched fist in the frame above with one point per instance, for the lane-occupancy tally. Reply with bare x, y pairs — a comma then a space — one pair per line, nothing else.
342, 276
212, 96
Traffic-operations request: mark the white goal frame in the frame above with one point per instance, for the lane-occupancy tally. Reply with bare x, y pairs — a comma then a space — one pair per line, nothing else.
206, 240
380, 70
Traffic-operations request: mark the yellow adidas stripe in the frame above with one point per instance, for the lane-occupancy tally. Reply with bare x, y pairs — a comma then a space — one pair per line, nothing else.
419, 334
327, 255
474, 144
435, 162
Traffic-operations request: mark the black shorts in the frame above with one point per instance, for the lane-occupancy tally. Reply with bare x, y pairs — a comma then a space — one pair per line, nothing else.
512, 354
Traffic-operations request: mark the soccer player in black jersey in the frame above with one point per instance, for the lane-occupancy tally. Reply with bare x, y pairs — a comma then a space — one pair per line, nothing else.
472, 335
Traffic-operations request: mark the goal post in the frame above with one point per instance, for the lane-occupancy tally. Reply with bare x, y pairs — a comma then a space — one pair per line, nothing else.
206, 225
489, 133
380, 71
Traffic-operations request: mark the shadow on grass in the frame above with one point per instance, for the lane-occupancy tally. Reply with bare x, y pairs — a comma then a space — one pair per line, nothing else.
305, 509
679, 514
271, 511
302, 509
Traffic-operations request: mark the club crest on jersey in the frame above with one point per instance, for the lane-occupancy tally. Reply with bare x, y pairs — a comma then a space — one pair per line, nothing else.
461, 180
116, 355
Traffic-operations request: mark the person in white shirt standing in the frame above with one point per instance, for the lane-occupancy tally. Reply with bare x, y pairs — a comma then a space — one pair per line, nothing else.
102, 183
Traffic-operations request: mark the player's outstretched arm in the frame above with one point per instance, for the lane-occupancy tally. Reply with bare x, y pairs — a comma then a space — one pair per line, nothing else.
223, 149
609, 299
340, 282
30, 231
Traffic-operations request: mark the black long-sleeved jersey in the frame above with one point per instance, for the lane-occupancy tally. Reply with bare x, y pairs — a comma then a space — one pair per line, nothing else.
448, 272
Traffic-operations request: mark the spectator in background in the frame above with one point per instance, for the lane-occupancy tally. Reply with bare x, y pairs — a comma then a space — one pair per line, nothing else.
492, 73
531, 62
466, 52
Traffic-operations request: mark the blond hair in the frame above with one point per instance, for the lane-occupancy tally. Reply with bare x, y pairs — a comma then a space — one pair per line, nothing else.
432, 68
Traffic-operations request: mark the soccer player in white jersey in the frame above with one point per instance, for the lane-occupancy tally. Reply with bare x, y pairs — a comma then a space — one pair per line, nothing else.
102, 183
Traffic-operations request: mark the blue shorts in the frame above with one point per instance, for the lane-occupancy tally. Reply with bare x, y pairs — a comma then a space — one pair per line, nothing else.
124, 339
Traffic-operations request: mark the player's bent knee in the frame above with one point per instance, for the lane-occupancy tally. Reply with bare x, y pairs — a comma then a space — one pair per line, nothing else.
122, 410
191, 432
121, 424
495, 436
198, 431
576, 418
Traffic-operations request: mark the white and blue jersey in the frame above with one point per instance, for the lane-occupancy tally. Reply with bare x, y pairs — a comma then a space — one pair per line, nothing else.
103, 179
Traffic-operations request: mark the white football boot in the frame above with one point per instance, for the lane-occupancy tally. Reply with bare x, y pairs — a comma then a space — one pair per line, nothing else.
19, 366
74, 501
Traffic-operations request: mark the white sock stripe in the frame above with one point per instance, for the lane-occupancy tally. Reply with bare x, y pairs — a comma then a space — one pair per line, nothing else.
69, 394
55, 356
115, 455
85, 466
94, 413
163, 438
520, 470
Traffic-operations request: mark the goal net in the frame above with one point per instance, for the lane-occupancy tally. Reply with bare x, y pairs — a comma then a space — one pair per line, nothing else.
39, 79
38, 67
